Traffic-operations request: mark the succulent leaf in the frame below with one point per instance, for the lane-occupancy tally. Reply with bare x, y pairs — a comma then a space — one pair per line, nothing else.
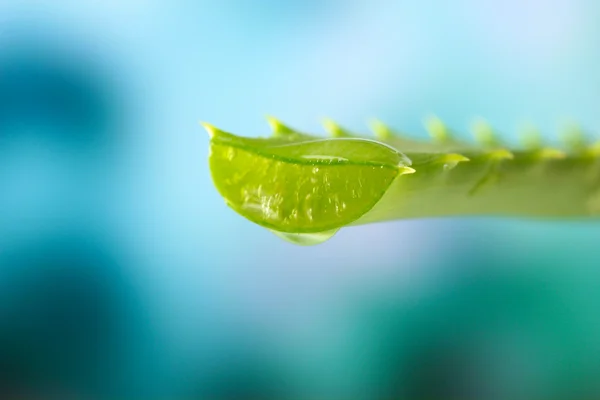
305, 188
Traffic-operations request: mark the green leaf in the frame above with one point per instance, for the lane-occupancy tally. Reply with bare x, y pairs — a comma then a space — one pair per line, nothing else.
302, 184
305, 188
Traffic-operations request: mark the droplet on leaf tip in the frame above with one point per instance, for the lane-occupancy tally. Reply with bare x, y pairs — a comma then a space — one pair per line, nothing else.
306, 239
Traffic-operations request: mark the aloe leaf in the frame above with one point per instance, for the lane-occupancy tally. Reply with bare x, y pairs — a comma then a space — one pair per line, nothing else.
305, 188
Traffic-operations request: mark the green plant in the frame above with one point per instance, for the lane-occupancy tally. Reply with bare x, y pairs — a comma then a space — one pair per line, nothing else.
305, 188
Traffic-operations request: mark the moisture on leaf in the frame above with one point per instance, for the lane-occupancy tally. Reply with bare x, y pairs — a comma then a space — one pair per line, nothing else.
305, 188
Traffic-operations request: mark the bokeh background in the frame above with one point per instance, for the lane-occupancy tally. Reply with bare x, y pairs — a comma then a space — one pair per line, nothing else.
124, 275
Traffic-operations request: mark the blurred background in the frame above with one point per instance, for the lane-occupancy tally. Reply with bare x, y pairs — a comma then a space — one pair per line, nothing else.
124, 275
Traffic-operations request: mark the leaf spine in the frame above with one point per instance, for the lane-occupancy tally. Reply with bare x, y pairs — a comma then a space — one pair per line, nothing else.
437, 129
381, 130
484, 133
278, 127
334, 129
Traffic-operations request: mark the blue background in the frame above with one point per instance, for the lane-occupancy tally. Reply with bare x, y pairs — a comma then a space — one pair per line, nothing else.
122, 271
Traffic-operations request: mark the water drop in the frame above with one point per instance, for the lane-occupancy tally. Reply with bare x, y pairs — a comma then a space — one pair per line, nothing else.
306, 239
309, 214
450, 165
230, 154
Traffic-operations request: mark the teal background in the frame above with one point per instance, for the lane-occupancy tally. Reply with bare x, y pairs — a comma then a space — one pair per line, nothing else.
116, 250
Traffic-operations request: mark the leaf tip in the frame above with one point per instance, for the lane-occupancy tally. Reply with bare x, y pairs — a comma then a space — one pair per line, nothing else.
278, 127
549, 153
334, 129
456, 157
436, 128
451, 160
592, 150
574, 137
484, 133
404, 170
380, 129
531, 137
501, 154
210, 129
